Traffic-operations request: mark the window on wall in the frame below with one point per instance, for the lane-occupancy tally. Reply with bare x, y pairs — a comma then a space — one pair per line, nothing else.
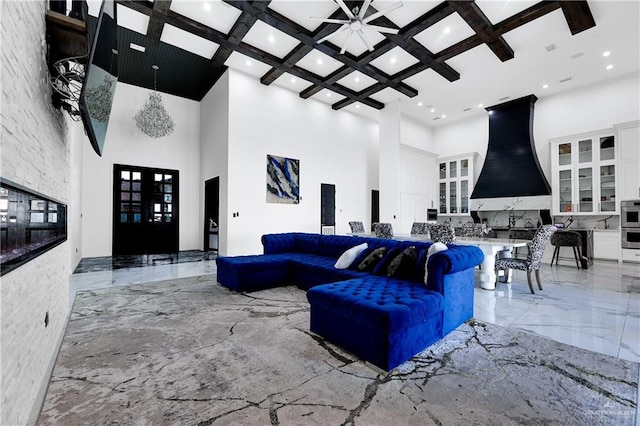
30, 224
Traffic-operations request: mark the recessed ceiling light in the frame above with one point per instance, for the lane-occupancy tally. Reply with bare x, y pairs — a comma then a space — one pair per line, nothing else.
206, 6
545, 86
433, 110
605, 54
137, 47
328, 94
420, 103
357, 79
272, 39
248, 63
357, 105
444, 116
480, 105
610, 66
319, 61
393, 60
293, 80
447, 30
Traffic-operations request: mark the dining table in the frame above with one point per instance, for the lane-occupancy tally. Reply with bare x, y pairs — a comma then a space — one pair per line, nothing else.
490, 248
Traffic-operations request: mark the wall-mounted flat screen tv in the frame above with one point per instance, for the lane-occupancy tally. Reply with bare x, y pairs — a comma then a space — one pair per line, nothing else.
101, 75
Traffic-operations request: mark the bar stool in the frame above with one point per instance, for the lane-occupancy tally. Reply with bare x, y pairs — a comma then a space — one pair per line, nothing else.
566, 239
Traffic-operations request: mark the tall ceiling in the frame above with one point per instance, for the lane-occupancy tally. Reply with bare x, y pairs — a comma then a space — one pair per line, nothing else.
449, 59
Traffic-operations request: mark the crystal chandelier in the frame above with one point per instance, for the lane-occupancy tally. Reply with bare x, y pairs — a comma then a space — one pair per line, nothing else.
152, 118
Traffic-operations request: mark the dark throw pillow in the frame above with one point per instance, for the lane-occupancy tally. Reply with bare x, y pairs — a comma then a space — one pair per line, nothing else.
381, 267
402, 266
371, 260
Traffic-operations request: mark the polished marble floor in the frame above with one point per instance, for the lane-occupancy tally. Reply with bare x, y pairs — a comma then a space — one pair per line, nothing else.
596, 309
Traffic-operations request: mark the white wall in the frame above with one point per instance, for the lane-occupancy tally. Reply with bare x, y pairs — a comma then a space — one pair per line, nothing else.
581, 110
35, 154
415, 134
214, 149
126, 144
333, 147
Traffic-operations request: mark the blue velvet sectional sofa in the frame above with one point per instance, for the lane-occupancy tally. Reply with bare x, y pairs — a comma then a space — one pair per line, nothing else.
382, 319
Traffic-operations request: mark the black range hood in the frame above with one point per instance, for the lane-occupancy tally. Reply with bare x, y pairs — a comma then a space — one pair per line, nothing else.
511, 167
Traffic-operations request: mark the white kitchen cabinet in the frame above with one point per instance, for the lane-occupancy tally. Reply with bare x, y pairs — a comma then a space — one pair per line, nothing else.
455, 184
583, 169
606, 244
629, 140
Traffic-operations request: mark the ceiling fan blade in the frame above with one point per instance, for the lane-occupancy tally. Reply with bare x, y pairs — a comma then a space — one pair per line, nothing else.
335, 33
381, 12
345, 9
364, 8
330, 21
364, 40
346, 42
380, 29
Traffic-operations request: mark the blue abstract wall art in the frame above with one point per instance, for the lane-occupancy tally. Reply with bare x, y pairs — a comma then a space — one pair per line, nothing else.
283, 180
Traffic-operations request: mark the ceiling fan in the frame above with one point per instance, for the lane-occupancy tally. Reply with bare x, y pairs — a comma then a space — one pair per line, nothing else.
357, 22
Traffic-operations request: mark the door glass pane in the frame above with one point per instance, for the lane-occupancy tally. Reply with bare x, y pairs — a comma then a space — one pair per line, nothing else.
464, 168
136, 186
585, 151
564, 154
125, 196
443, 170
124, 175
464, 196
453, 169
443, 197
53, 217
125, 186
167, 198
607, 151
157, 207
135, 196
136, 217
157, 217
566, 191
123, 217
157, 177
136, 175
453, 198
607, 188
167, 188
585, 186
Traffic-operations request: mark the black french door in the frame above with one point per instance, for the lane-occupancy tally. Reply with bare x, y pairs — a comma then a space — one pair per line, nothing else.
145, 210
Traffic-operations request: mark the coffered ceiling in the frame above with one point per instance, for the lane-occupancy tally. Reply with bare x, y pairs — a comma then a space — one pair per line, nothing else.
448, 60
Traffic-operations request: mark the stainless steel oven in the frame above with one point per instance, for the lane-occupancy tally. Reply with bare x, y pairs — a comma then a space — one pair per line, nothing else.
630, 224
630, 214
631, 238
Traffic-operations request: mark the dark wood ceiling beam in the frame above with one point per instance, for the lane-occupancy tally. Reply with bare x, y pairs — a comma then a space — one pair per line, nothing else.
532, 13
302, 49
295, 30
156, 21
578, 15
240, 29
480, 24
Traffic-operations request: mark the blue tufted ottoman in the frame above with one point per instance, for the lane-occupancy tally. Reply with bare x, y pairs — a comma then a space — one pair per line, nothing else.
382, 320
251, 273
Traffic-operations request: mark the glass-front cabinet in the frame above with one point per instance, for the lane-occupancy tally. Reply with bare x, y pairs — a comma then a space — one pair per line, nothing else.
584, 174
455, 182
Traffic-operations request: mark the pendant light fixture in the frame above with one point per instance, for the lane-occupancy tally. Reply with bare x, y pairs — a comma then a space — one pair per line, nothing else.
153, 119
